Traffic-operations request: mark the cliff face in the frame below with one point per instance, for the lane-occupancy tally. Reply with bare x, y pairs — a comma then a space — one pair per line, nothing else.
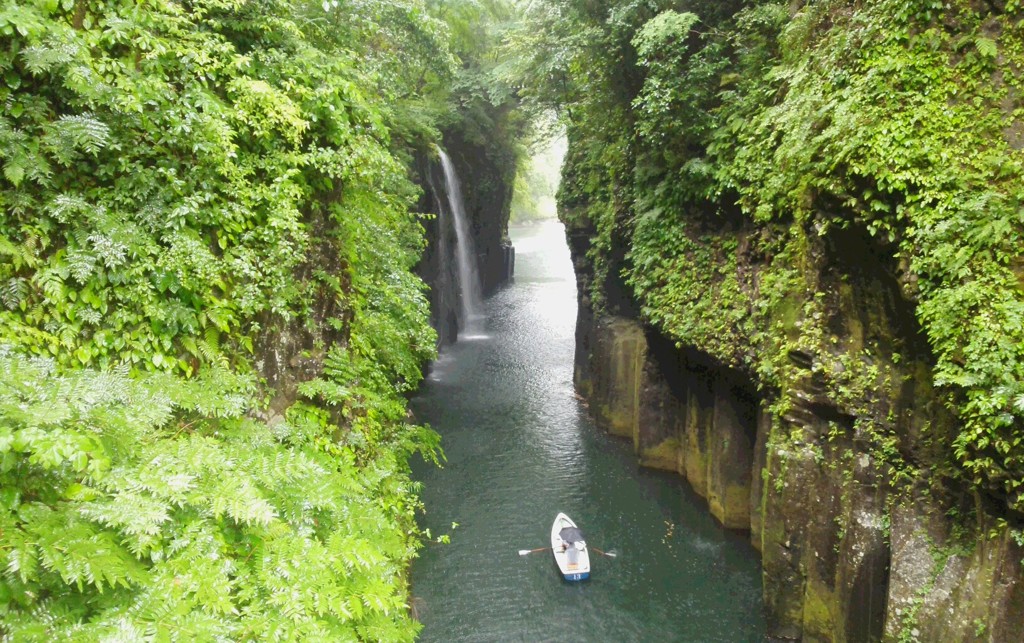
291, 351
487, 175
862, 537
796, 228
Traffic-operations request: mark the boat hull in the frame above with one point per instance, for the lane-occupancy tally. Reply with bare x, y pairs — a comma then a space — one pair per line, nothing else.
573, 563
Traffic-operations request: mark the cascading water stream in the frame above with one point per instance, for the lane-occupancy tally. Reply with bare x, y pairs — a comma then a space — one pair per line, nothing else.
469, 279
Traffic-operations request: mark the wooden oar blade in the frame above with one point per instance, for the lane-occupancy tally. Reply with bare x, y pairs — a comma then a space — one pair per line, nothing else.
523, 552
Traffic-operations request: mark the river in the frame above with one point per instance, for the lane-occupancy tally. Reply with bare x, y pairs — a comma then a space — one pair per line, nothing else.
520, 448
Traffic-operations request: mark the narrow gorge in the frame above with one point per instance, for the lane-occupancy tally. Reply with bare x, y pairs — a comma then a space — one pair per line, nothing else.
238, 241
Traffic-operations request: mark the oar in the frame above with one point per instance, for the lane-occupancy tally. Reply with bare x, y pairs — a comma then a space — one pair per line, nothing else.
609, 554
523, 552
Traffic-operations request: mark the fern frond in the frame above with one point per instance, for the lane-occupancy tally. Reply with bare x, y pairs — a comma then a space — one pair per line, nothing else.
64, 206
40, 59
329, 392
130, 512
209, 347
81, 263
81, 553
68, 135
241, 500
13, 292
51, 281
19, 556
112, 252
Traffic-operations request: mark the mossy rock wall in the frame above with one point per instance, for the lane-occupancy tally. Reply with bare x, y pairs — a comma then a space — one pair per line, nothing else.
943, 589
819, 203
824, 551
820, 469
700, 423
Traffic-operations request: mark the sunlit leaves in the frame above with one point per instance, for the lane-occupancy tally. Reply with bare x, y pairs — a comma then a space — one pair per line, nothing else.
986, 47
664, 36
69, 134
267, 110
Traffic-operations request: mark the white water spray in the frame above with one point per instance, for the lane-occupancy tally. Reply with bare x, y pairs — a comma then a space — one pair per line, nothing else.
469, 279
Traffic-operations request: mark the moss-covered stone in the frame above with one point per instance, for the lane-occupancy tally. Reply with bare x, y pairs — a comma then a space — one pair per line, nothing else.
820, 612
730, 456
976, 586
665, 456
619, 355
682, 415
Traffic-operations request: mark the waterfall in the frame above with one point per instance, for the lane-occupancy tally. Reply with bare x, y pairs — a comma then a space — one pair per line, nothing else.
443, 281
469, 279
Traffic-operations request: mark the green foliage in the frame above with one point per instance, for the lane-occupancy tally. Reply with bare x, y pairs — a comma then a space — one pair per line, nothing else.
663, 37
675, 101
690, 288
183, 185
904, 126
173, 515
177, 175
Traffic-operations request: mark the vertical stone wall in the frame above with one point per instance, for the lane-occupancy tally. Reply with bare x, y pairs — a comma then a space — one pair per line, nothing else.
976, 593
856, 544
822, 536
622, 350
681, 413
290, 351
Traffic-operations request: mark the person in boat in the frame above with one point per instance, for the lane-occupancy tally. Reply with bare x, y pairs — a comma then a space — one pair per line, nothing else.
561, 546
574, 553
572, 543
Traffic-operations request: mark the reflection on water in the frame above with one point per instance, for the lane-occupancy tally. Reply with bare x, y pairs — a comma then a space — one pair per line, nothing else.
521, 448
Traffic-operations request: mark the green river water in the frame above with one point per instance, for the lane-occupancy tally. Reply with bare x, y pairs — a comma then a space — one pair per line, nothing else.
520, 448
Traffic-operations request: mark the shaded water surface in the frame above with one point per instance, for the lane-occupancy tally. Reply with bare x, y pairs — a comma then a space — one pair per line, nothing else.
521, 448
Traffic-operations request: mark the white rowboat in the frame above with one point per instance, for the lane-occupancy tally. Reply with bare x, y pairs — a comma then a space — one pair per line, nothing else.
570, 549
